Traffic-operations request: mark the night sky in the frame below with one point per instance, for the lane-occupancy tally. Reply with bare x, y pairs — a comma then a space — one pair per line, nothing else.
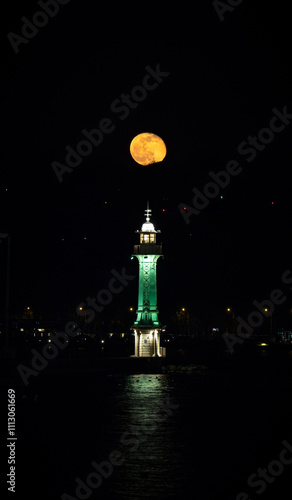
222, 81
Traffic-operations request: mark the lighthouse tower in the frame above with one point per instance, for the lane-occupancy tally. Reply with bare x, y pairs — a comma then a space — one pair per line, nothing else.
147, 327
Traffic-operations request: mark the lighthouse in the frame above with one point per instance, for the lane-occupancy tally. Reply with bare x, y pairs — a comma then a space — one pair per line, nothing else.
147, 326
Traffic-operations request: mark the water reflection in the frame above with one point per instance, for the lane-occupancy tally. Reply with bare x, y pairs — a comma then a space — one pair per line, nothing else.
147, 417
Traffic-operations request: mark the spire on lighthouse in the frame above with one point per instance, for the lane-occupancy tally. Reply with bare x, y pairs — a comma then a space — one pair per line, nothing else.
148, 212
148, 227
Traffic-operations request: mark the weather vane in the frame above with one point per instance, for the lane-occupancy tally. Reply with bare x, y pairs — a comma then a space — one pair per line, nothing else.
148, 212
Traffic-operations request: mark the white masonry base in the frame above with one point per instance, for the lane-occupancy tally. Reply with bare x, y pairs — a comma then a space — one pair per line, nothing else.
147, 343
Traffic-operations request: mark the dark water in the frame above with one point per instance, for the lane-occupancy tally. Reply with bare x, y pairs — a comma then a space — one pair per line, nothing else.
214, 431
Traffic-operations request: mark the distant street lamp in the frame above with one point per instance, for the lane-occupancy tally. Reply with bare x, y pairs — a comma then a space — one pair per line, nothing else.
233, 316
6, 238
271, 321
186, 318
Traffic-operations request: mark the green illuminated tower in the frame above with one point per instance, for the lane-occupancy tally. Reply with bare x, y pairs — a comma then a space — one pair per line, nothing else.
147, 326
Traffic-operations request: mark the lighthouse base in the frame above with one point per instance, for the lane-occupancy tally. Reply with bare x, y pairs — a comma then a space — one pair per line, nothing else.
147, 343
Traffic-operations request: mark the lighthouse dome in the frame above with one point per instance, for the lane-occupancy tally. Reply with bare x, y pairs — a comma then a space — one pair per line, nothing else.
148, 227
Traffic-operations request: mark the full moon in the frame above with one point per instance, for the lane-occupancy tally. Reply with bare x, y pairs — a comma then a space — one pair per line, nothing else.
147, 148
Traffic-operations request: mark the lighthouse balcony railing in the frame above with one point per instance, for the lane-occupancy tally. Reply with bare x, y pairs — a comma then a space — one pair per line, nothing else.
148, 249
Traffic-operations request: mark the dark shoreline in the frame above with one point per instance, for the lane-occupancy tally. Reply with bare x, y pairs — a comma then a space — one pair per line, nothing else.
273, 359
